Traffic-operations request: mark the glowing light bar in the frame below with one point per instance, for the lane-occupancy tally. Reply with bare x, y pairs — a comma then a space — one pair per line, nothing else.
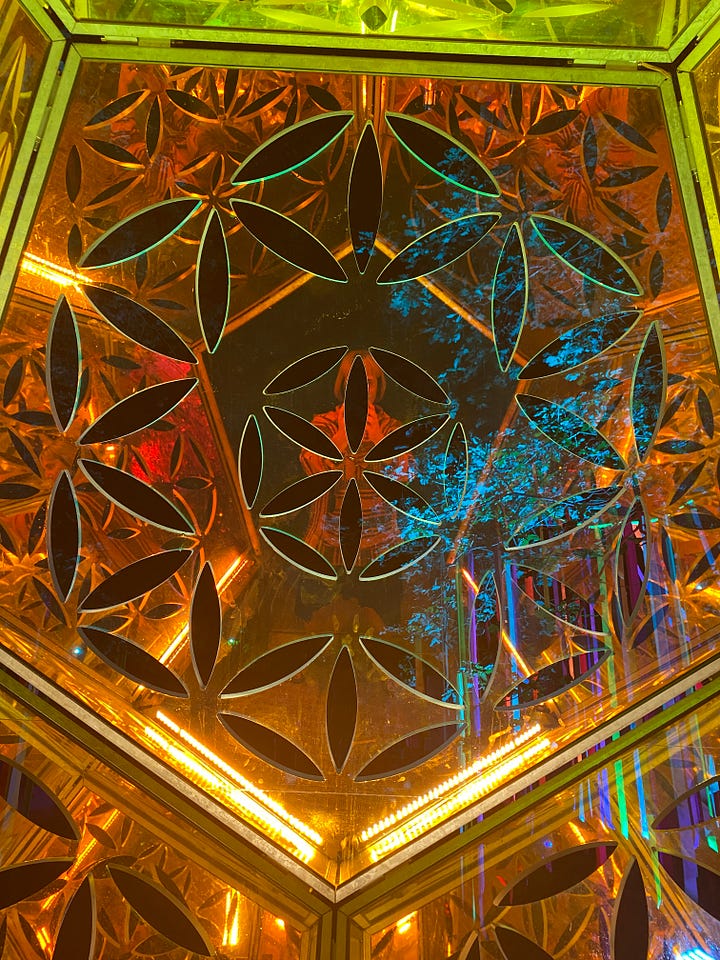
476, 788
53, 272
403, 925
695, 954
169, 654
234, 796
238, 779
444, 788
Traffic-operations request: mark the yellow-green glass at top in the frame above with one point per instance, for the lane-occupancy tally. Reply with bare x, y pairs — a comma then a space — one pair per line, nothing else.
22, 53
623, 23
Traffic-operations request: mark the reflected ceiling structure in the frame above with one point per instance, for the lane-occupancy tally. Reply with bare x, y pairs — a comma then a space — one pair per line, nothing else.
360, 485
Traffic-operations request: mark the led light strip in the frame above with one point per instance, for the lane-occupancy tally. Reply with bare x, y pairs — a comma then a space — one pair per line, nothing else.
53, 272
238, 778
235, 796
451, 784
471, 791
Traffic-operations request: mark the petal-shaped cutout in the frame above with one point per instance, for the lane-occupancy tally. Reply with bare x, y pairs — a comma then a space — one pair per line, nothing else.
153, 127
212, 282
632, 570
191, 105
270, 746
442, 154
582, 343
515, 946
630, 926
301, 494
407, 437
62, 370
250, 461
456, 466
469, 948
132, 661
117, 109
277, 666
410, 751
585, 254
139, 233
163, 911
138, 323
559, 600
402, 497
569, 431
351, 525
411, 671
302, 432
697, 882
73, 174
438, 248
63, 535
16, 491
649, 385
355, 408
695, 807
205, 625
136, 579
305, 370
399, 558
508, 305
365, 196
114, 153
288, 240
565, 517
341, 709
136, 497
557, 873
292, 147
138, 411
26, 794
76, 936
409, 375
552, 122
298, 553
26, 879
554, 679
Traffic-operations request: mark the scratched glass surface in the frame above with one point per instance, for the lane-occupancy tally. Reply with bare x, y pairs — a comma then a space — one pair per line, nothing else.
23, 48
359, 434
82, 877
609, 22
623, 864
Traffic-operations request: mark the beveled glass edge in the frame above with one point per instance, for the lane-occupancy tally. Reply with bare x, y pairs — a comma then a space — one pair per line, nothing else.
258, 859
25, 186
559, 771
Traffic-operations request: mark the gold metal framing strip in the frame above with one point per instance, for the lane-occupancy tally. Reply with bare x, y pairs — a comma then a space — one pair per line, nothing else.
37, 149
256, 856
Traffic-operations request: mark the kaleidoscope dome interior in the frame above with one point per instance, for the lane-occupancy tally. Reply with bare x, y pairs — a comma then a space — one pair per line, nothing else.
360, 501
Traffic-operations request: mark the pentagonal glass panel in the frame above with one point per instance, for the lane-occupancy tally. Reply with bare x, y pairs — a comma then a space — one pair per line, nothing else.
539, 397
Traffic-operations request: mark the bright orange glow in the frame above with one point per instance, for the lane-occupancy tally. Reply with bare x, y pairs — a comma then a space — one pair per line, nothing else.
513, 650
43, 937
470, 581
279, 922
402, 926
52, 272
231, 930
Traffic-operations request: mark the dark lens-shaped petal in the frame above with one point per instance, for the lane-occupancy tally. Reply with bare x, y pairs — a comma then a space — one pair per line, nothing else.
271, 747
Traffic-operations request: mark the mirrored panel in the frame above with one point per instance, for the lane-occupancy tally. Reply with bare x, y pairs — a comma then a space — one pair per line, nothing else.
360, 435
83, 878
623, 864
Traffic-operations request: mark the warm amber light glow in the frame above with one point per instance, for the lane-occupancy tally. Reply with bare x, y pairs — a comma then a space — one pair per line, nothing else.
53, 272
231, 930
402, 926
472, 790
279, 922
